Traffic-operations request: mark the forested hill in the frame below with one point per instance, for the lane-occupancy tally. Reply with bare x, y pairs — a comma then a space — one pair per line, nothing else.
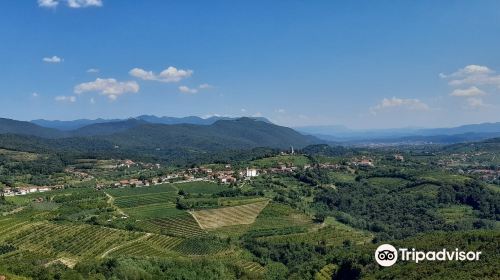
8, 126
237, 134
138, 137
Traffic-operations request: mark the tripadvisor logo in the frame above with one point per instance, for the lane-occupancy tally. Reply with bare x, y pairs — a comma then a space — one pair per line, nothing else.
387, 255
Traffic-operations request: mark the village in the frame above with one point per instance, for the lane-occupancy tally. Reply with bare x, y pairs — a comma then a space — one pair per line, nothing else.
226, 174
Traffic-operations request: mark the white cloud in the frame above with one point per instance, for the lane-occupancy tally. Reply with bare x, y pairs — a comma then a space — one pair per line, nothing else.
205, 86
185, 89
410, 104
243, 110
476, 103
84, 3
35, 94
169, 75
93, 70
108, 87
63, 98
70, 3
53, 59
92, 100
48, 3
281, 111
472, 75
472, 91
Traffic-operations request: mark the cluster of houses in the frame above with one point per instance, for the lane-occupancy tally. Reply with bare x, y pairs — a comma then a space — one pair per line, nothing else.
485, 174
364, 162
26, 190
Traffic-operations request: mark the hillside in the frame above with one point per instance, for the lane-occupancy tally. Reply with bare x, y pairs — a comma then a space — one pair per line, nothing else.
137, 138
243, 133
80, 123
8, 126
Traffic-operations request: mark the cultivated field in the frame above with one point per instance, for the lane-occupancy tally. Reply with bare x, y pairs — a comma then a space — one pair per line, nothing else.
229, 216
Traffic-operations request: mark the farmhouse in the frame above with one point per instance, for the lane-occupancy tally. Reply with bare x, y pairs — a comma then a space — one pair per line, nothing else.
251, 172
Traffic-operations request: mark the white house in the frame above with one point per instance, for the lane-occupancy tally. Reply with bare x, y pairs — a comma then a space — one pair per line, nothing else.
252, 172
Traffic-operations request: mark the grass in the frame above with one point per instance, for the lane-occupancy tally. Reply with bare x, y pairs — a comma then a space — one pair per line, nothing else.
341, 177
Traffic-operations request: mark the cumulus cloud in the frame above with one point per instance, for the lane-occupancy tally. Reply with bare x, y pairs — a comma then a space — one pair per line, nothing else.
185, 89
70, 3
472, 75
93, 70
48, 3
35, 94
394, 102
469, 83
169, 75
468, 92
108, 87
53, 59
63, 98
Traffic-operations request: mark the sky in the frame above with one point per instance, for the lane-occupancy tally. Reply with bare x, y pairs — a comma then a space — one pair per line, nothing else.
360, 64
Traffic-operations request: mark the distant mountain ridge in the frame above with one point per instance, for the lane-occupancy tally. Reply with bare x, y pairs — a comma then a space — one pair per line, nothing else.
76, 124
138, 134
471, 132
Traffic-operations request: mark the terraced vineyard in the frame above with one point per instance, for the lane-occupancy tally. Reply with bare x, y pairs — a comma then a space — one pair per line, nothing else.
151, 246
229, 216
67, 240
183, 225
201, 246
145, 199
251, 266
160, 210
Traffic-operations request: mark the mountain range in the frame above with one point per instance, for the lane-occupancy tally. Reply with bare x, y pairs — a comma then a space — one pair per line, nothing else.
76, 124
342, 134
154, 139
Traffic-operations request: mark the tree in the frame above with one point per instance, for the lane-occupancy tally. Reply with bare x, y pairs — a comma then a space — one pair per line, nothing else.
276, 271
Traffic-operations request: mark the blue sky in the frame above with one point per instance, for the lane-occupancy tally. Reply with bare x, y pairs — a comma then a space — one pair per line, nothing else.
362, 64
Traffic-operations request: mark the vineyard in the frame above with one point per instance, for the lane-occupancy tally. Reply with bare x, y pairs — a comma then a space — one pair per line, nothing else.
150, 245
201, 187
332, 234
183, 225
229, 216
139, 200
59, 240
